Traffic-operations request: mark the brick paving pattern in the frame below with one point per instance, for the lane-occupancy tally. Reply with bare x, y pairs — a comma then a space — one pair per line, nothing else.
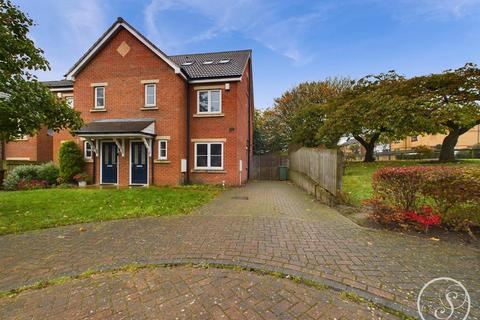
184, 293
279, 227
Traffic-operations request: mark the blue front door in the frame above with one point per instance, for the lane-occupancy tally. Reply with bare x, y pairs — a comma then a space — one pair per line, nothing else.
139, 163
109, 162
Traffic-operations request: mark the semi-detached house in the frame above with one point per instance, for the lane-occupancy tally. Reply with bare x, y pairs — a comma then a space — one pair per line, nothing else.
154, 119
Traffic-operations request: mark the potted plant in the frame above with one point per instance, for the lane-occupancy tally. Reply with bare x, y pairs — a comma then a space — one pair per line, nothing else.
81, 179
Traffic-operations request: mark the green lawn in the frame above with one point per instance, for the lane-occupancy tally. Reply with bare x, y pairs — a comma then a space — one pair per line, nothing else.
357, 181
37, 209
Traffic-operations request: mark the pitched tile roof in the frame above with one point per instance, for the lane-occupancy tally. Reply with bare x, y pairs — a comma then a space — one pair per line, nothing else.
58, 83
219, 64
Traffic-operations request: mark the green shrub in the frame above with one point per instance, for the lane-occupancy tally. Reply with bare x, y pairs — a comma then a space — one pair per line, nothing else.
22, 177
48, 172
71, 160
424, 152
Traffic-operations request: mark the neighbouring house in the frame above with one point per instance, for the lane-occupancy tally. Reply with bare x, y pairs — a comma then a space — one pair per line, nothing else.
467, 140
154, 119
39, 147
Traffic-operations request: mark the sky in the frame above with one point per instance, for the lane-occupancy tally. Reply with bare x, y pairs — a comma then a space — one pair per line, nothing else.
292, 41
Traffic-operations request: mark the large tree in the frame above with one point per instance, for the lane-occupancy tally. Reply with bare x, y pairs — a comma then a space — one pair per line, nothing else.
25, 104
449, 102
283, 117
372, 111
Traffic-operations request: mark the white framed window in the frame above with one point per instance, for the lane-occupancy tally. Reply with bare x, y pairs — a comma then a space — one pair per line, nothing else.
162, 150
209, 101
69, 101
209, 155
87, 150
99, 97
150, 95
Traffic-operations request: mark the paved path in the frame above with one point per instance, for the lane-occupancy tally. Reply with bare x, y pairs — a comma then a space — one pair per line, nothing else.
268, 225
184, 293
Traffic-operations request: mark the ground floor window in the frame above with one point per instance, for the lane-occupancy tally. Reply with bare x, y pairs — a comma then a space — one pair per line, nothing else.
87, 150
162, 149
209, 155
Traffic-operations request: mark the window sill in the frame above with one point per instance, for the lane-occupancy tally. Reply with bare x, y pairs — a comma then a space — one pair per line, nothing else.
208, 171
98, 110
88, 160
161, 161
148, 108
208, 115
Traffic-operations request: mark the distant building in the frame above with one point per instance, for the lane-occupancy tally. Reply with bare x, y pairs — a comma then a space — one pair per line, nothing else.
466, 140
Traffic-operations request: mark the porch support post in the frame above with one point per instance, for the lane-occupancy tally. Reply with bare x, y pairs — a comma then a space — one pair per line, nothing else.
94, 144
147, 145
120, 146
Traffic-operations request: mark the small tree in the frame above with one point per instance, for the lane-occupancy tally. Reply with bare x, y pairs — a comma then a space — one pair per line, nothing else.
71, 160
26, 105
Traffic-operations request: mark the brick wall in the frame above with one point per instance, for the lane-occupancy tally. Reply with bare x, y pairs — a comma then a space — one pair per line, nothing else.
124, 98
233, 127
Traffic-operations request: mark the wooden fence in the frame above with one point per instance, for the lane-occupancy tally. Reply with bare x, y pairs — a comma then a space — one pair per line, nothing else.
266, 167
318, 171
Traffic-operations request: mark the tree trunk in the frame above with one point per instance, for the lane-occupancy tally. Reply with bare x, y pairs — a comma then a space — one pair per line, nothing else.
369, 146
447, 153
369, 150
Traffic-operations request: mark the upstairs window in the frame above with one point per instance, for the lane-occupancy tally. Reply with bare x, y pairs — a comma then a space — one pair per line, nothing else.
99, 97
150, 95
162, 150
209, 101
69, 101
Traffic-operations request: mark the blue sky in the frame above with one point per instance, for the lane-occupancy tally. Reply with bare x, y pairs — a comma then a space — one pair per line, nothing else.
292, 41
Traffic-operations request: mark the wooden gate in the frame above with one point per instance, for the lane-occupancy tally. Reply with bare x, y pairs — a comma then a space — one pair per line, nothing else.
266, 167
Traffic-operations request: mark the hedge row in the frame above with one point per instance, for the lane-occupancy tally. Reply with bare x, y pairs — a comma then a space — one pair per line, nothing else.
427, 196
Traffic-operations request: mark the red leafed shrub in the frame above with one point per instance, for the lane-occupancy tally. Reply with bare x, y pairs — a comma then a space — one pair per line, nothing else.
25, 184
426, 218
399, 187
453, 193
384, 213
449, 187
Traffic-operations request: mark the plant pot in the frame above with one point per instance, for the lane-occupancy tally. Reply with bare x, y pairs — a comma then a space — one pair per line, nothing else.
82, 184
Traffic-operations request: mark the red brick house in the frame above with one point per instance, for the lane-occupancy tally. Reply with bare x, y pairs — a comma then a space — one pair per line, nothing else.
154, 119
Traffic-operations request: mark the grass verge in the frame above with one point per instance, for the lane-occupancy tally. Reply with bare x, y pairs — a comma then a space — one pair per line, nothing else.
37, 209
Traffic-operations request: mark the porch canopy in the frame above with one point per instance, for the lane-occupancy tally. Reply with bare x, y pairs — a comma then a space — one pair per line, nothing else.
118, 130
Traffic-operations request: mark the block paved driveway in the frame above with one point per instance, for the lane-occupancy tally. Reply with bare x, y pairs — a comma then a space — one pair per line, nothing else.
184, 293
266, 225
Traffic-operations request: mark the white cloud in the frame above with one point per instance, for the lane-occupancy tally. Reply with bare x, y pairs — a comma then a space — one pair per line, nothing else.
271, 24
436, 9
